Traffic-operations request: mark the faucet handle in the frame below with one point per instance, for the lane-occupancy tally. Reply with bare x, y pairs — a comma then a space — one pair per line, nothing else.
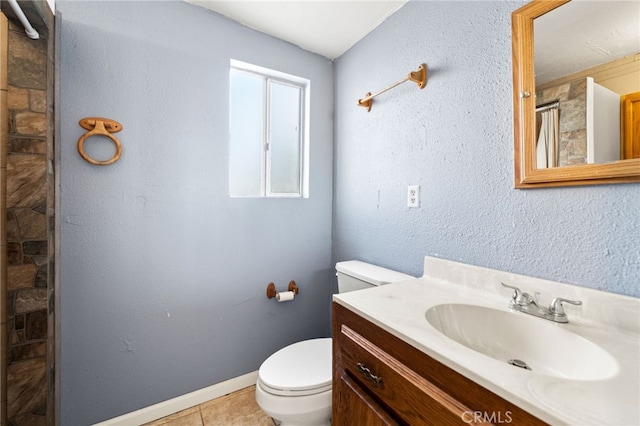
516, 291
519, 297
556, 310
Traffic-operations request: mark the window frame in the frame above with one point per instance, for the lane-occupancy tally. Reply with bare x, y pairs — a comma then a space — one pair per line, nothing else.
270, 77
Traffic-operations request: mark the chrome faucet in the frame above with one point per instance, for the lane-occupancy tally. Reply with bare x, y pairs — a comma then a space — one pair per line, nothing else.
524, 302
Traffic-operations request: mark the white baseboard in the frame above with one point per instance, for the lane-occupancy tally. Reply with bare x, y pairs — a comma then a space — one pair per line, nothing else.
166, 408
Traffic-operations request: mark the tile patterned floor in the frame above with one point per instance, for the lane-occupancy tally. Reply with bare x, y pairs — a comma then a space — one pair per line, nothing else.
235, 409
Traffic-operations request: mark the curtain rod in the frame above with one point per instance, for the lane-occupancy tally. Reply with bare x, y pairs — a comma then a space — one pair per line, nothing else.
31, 32
548, 105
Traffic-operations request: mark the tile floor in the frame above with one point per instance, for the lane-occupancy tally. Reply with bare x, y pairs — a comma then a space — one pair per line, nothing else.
235, 409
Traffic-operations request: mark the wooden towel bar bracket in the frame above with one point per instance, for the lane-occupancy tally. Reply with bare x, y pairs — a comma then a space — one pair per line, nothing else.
419, 77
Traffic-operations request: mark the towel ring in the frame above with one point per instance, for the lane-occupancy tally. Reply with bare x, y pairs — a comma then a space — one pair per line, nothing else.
102, 127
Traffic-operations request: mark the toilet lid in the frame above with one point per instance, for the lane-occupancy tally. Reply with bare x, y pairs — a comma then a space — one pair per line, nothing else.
303, 368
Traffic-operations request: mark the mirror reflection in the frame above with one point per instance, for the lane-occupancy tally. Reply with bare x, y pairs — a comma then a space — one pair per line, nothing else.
587, 83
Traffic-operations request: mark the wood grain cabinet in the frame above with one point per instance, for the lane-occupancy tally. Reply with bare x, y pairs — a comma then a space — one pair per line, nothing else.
630, 126
379, 379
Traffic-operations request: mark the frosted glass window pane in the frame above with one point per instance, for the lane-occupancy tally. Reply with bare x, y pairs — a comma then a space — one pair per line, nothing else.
246, 128
284, 126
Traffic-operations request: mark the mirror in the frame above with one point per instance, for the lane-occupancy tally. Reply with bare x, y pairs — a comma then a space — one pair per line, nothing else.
561, 147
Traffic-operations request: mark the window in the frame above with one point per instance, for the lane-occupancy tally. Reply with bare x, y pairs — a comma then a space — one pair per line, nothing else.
268, 116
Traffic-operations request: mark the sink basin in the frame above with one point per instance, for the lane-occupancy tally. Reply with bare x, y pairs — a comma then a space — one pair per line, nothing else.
523, 341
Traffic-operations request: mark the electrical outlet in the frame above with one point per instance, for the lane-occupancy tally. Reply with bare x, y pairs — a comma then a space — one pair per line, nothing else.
413, 196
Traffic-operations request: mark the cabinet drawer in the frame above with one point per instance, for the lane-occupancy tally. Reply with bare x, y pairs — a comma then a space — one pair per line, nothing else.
405, 393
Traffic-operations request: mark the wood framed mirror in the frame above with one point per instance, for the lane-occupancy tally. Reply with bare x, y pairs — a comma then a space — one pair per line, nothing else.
625, 168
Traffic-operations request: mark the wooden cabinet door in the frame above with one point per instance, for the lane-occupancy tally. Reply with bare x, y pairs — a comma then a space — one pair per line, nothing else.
353, 406
631, 126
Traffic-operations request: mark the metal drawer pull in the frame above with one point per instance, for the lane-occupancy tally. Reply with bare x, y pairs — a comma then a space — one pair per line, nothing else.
377, 380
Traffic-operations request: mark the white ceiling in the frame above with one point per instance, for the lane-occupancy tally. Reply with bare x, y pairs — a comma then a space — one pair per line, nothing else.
584, 33
575, 36
326, 27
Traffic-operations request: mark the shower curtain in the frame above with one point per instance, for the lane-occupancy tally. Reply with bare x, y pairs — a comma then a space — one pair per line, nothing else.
548, 138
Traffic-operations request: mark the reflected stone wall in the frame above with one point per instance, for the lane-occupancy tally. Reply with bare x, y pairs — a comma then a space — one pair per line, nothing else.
573, 119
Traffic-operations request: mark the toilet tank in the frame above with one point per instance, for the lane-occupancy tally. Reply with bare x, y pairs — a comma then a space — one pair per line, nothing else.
356, 275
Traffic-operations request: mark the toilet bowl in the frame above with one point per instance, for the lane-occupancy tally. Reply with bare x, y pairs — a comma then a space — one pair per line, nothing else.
294, 384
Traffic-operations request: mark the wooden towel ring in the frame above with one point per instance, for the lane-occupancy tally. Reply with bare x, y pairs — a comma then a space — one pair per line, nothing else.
103, 127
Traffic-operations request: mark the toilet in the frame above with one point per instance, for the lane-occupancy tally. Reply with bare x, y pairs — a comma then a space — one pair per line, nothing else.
294, 384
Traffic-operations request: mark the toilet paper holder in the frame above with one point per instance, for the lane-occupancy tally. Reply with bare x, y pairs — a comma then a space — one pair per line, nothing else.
271, 289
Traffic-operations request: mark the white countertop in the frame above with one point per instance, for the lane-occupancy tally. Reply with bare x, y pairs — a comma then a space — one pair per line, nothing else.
608, 320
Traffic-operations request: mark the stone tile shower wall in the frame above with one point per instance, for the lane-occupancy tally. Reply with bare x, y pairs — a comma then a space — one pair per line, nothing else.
29, 226
573, 119
4, 31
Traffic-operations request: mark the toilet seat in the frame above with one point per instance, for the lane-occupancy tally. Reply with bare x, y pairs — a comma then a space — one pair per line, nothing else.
303, 368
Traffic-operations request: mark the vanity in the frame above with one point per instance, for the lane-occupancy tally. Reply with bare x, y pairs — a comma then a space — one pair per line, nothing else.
447, 349
379, 378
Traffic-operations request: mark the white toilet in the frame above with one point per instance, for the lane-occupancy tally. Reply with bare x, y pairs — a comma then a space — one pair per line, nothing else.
294, 384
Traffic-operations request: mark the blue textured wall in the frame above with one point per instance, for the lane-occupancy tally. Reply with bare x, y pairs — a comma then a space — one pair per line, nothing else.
162, 275
455, 139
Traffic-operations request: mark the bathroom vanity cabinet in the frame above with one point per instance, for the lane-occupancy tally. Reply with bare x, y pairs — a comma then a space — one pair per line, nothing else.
378, 379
